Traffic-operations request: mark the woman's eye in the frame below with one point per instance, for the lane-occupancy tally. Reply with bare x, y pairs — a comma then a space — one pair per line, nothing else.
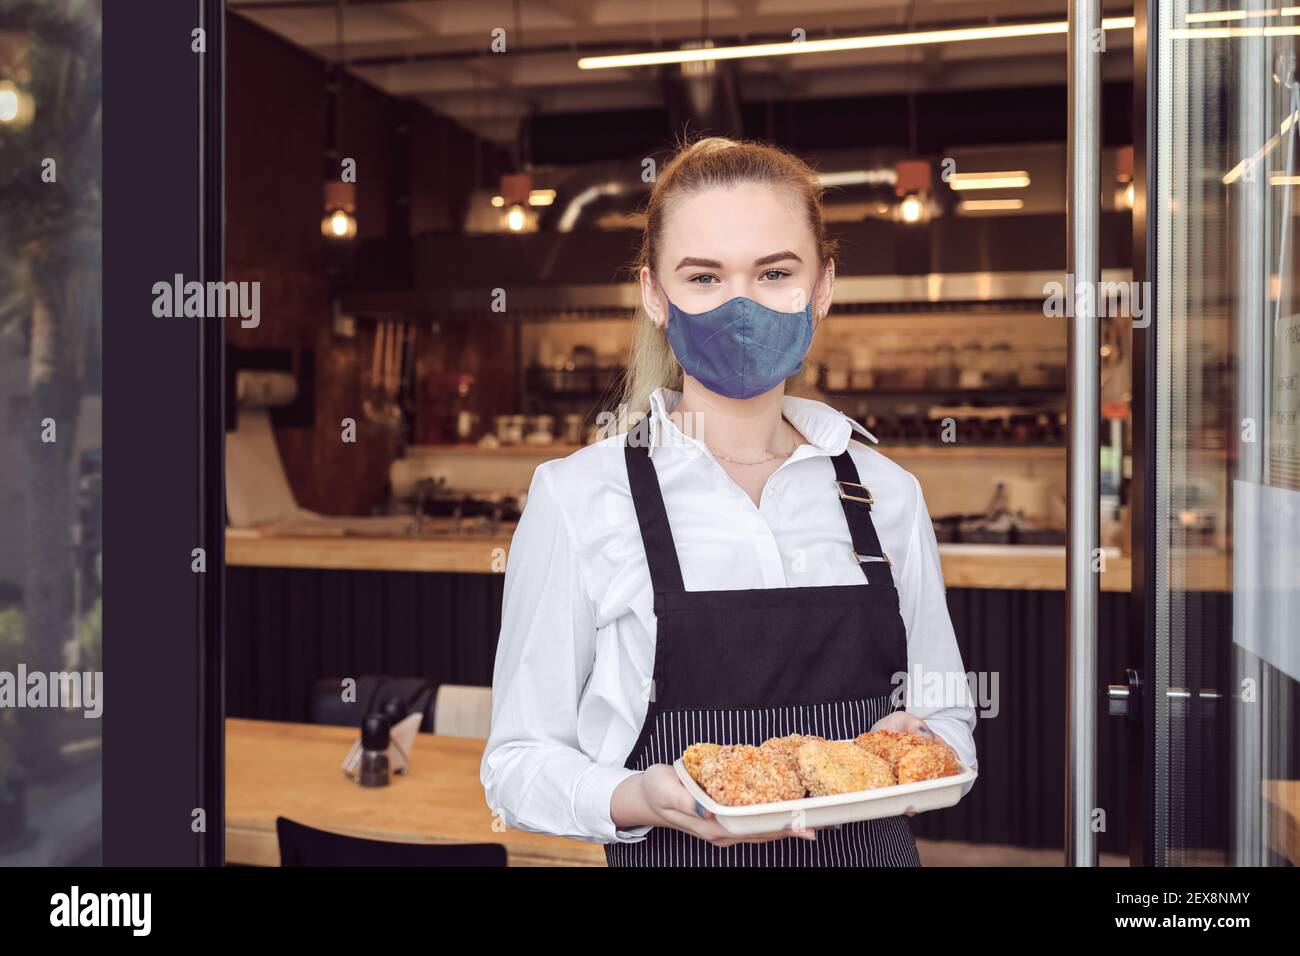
774, 274
703, 275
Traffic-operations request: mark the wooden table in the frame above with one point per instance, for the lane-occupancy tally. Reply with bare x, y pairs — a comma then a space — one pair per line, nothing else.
293, 770
1284, 828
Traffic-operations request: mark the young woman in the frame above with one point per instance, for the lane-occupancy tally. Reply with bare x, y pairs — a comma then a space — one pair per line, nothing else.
733, 567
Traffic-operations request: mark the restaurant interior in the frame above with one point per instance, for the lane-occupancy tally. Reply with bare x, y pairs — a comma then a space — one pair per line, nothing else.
432, 210
457, 312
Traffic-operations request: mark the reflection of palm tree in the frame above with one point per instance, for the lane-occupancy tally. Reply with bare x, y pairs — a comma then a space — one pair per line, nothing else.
50, 238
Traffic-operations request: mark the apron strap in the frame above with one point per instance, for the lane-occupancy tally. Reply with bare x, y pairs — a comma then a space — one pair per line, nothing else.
661, 552
857, 500
648, 499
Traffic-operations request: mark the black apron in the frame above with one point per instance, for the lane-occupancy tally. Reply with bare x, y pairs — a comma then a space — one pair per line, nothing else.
740, 666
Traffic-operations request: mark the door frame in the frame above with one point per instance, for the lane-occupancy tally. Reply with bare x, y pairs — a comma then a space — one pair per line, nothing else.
1142, 484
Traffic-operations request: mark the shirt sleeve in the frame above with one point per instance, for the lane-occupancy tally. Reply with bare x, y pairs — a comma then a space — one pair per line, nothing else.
533, 773
943, 698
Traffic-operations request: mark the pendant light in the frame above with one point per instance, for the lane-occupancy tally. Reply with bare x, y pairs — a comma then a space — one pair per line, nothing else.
340, 221
16, 104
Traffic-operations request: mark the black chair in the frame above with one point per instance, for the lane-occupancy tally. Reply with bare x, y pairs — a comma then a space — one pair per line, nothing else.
306, 846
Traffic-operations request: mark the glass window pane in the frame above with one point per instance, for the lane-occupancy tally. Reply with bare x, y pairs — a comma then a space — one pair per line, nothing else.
50, 450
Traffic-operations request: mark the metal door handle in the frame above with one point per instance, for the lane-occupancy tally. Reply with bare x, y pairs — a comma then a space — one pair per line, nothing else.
1125, 700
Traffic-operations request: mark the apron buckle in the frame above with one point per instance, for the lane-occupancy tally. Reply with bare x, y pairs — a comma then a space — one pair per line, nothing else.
868, 500
864, 559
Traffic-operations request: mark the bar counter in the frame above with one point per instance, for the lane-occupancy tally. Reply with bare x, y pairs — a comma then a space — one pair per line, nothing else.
1011, 567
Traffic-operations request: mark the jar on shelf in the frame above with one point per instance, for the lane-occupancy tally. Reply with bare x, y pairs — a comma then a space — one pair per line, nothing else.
1000, 370
888, 370
943, 372
573, 429
1033, 367
860, 375
837, 370
972, 365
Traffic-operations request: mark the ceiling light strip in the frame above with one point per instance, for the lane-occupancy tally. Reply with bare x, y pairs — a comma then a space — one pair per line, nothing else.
839, 44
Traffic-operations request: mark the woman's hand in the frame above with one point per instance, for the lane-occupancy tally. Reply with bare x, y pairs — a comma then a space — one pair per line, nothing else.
900, 721
657, 797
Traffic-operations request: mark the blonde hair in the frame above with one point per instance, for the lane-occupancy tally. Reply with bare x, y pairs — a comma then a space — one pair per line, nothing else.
714, 162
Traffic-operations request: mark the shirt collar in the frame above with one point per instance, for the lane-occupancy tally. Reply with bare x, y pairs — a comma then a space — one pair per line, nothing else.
826, 428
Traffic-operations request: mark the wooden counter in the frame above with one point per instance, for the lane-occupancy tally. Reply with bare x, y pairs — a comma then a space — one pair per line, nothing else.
288, 769
1284, 821
1010, 567
465, 553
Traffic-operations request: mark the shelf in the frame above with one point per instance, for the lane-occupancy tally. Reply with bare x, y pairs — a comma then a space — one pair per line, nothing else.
553, 450
1012, 391
967, 452
972, 451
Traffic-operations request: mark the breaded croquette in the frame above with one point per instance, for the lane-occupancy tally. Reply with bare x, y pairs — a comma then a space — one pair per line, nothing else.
935, 759
741, 774
788, 745
912, 757
889, 744
840, 767
694, 755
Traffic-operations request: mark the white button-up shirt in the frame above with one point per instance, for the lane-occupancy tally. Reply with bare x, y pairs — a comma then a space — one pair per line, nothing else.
576, 652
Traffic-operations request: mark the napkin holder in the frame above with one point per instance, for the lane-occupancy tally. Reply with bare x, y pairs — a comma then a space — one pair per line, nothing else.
401, 743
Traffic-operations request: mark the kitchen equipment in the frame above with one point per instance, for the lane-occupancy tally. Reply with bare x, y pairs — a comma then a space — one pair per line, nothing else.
861, 375
837, 369
995, 526
833, 810
541, 430
381, 406
943, 372
1029, 497
466, 424
1001, 370
573, 429
510, 429
972, 365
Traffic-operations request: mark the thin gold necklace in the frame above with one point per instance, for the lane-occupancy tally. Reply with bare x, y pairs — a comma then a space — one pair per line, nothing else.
735, 461
761, 461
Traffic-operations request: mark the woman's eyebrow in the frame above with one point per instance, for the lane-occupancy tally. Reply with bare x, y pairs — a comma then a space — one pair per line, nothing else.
715, 264
701, 263
777, 257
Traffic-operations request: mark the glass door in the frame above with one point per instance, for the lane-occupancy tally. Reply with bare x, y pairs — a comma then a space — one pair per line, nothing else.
1216, 608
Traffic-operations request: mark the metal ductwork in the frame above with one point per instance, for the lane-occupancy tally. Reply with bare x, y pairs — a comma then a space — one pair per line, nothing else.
703, 97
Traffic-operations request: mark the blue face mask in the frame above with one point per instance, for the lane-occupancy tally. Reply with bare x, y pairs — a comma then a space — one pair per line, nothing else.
742, 348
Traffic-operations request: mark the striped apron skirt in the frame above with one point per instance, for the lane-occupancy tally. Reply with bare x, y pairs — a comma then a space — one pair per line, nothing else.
740, 666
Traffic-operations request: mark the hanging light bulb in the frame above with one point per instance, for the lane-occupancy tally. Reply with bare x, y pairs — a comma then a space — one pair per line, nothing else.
911, 208
912, 184
339, 224
516, 218
16, 105
340, 220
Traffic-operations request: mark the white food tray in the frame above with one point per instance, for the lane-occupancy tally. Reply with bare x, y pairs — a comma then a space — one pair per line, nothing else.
812, 812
